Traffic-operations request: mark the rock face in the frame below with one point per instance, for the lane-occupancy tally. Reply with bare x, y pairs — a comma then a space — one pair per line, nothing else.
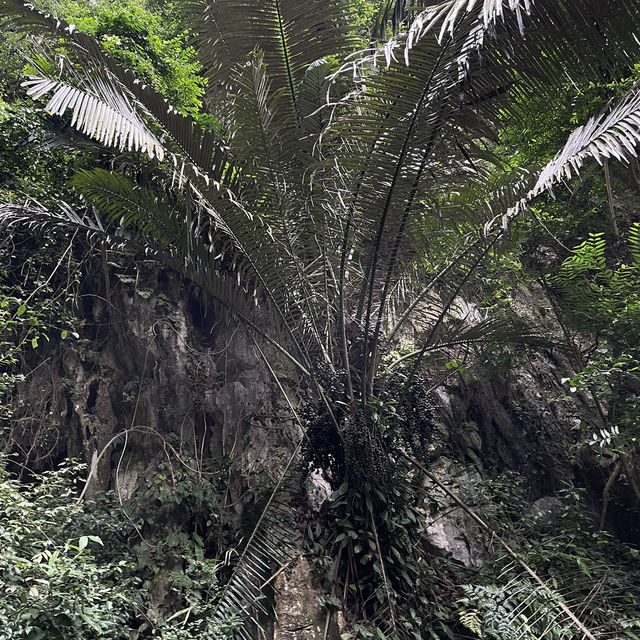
151, 367
451, 532
154, 367
151, 364
298, 612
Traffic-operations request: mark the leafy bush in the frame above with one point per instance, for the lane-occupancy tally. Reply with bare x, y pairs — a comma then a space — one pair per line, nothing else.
559, 542
150, 40
53, 585
61, 580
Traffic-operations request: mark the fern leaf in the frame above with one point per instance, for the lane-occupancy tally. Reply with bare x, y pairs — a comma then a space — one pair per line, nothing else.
634, 243
471, 619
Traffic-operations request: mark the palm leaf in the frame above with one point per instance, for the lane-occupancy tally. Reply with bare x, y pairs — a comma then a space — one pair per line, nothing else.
152, 214
192, 141
614, 133
132, 207
515, 50
256, 142
389, 162
611, 134
270, 547
563, 32
193, 237
454, 33
33, 215
101, 112
214, 283
291, 33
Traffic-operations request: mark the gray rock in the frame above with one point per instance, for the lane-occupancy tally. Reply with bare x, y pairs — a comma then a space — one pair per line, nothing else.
299, 615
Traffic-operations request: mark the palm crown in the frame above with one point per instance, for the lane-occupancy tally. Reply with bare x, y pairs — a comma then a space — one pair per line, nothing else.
304, 213
330, 162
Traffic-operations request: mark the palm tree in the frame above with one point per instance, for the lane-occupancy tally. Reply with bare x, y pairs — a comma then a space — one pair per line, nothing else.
334, 177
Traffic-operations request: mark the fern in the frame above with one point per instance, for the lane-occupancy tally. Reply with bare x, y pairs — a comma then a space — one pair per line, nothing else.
593, 295
587, 257
634, 243
519, 610
472, 620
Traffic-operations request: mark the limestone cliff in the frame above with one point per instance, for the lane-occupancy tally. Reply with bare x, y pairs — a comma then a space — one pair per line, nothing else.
154, 374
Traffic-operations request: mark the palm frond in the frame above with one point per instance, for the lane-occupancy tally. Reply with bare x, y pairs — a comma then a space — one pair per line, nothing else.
99, 112
212, 237
151, 213
515, 49
313, 95
256, 142
291, 33
483, 201
563, 32
268, 551
35, 216
612, 134
161, 241
209, 238
399, 159
461, 60
192, 141
132, 207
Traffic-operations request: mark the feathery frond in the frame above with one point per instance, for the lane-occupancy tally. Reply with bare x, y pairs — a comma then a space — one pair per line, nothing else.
612, 134
100, 113
195, 143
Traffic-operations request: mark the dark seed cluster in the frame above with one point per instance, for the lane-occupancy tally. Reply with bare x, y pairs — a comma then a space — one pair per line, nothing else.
414, 423
363, 444
322, 448
365, 453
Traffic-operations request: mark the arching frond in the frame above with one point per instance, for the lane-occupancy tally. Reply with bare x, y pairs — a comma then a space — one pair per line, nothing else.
33, 215
100, 112
579, 30
166, 223
192, 141
123, 204
214, 283
612, 134
460, 60
210, 238
522, 49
